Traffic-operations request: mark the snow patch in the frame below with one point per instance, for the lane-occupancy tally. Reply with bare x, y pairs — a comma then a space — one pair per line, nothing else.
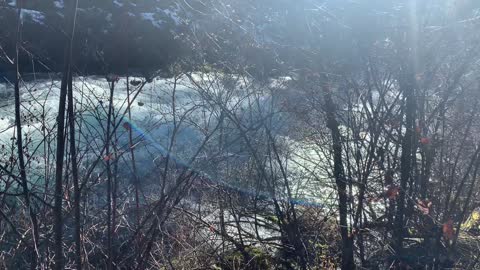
59, 4
117, 3
149, 16
35, 16
173, 15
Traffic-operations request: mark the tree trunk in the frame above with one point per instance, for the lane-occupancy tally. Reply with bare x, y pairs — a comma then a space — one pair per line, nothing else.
109, 179
19, 141
340, 179
60, 150
408, 144
76, 188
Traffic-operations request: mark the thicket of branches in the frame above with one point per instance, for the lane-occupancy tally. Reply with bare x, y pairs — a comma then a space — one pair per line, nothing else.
350, 141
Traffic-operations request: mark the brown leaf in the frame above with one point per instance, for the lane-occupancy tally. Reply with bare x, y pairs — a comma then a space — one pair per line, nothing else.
424, 206
126, 126
392, 192
424, 140
447, 230
108, 157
